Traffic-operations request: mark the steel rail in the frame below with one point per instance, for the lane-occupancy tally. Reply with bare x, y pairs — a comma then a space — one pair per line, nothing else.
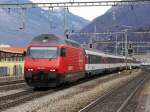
2, 83
27, 95
13, 86
21, 97
14, 95
124, 104
103, 80
109, 93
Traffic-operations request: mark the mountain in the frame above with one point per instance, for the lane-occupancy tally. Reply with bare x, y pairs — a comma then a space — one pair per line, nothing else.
134, 18
14, 31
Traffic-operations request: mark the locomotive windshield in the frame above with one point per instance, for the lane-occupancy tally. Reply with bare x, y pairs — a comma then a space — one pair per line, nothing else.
42, 52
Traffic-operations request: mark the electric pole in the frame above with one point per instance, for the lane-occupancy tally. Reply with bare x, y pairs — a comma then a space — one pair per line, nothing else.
126, 47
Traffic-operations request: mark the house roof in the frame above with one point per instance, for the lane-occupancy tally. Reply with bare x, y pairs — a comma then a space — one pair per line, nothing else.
13, 50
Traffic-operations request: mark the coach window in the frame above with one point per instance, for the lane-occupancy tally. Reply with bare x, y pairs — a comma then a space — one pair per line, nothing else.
99, 59
94, 59
104, 60
89, 59
120, 60
113, 60
109, 60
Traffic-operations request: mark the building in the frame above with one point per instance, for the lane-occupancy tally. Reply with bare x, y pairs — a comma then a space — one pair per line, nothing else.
11, 54
11, 61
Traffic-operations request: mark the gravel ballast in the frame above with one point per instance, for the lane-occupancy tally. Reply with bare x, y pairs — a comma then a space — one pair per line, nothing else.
74, 98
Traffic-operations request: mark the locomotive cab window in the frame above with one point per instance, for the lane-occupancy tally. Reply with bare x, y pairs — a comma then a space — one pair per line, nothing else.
63, 52
43, 52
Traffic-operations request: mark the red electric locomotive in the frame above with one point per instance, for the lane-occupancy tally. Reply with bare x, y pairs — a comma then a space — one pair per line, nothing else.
51, 60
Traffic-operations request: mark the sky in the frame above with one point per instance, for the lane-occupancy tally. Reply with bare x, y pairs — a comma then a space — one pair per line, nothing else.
88, 13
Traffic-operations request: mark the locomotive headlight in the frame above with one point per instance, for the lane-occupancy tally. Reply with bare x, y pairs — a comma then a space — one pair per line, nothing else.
52, 70
30, 69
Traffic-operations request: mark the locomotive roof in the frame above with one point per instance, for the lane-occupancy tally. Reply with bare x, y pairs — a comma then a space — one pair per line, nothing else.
53, 39
45, 38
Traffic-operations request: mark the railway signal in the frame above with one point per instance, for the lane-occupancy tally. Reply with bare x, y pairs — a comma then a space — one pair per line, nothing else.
91, 45
130, 49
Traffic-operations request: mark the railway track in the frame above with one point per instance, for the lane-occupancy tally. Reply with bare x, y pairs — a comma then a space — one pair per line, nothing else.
27, 95
102, 80
13, 86
116, 100
3, 83
21, 97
